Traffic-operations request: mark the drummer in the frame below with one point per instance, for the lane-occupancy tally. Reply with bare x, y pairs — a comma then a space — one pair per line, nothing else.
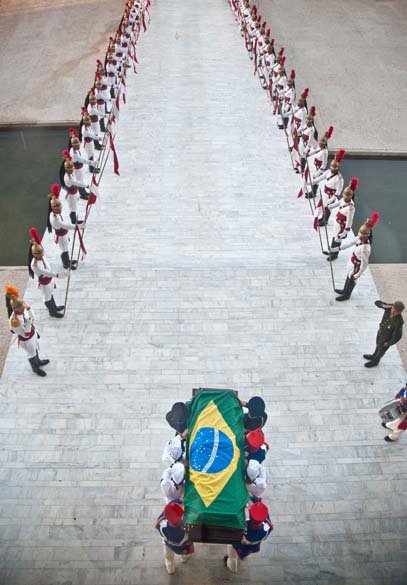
398, 426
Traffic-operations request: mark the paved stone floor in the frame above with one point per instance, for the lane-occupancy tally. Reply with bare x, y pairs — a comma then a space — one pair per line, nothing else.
203, 269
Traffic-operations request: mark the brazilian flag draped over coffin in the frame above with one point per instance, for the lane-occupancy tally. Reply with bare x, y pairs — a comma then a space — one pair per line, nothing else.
215, 491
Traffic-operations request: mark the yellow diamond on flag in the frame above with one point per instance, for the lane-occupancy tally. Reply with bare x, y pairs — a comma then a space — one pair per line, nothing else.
213, 454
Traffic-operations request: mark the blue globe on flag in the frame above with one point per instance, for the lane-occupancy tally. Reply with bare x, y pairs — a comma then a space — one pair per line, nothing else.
211, 451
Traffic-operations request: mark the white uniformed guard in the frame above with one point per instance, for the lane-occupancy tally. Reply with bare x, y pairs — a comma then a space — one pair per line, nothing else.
359, 260
21, 323
71, 185
56, 222
330, 185
39, 265
87, 135
344, 217
173, 482
316, 161
79, 159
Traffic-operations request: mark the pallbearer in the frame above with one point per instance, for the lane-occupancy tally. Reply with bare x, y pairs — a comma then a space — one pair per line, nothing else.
258, 528
175, 539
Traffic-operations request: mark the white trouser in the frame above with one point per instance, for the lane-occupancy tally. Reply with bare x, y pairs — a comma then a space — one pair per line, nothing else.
89, 149
233, 559
31, 346
47, 291
72, 201
169, 559
396, 433
95, 127
63, 243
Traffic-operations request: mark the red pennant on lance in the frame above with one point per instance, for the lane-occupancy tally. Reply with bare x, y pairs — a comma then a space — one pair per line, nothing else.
315, 223
134, 52
300, 192
93, 195
115, 159
306, 175
124, 97
81, 244
144, 22
255, 55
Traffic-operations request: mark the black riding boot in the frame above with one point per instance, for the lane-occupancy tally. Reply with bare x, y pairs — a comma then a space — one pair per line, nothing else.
74, 218
41, 362
347, 290
83, 193
334, 254
56, 307
52, 312
97, 145
340, 291
35, 367
102, 125
66, 261
325, 217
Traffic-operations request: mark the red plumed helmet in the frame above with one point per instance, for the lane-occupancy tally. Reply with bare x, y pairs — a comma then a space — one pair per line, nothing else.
282, 61
259, 18
268, 33
374, 219
313, 111
35, 236
254, 8
354, 183
330, 132
272, 42
292, 74
99, 62
72, 132
66, 155
340, 155
281, 51
55, 190
305, 93
264, 24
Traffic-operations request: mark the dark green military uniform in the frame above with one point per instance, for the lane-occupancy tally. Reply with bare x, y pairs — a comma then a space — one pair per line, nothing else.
390, 332
390, 328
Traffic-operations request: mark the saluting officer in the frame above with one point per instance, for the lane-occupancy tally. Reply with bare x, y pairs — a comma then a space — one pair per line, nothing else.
390, 331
